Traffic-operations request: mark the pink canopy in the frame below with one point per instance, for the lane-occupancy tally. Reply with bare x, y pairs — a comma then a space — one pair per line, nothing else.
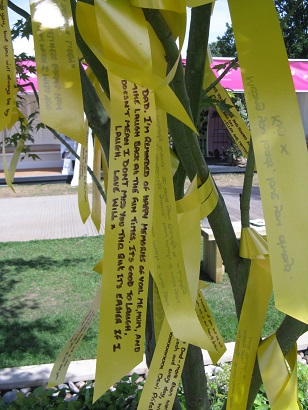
233, 79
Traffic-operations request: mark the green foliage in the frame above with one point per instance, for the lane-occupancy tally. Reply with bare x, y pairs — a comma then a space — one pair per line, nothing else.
25, 127
22, 28
218, 387
123, 396
302, 376
261, 402
224, 46
294, 30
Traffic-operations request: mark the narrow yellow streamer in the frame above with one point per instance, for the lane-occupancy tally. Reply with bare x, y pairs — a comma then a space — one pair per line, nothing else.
5, 167
255, 304
198, 197
235, 124
105, 170
165, 371
96, 214
83, 199
279, 146
174, 162
197, 3
168, 361
15, 158
61, 104
279, 374
7, 70
62, 362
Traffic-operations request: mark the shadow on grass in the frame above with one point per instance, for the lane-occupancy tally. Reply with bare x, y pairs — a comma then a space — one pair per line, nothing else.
37, 338
12, 304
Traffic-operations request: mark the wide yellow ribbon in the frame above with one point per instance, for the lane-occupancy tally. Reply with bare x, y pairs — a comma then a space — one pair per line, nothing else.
61, 103
170, 353
7, 70
130, 101
132, 65
279, 146
279, 374
255, 305
167, 263
128, 221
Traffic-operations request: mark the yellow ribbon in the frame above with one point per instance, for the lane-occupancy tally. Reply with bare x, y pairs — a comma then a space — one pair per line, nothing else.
197, 3
128, 222
96, 214
7, 70
170, 353
61, 103
279, 146
171, 5
255, 304
5, 167
133, 66
83, 199
167, 254
234, 123
59, 370
279, 374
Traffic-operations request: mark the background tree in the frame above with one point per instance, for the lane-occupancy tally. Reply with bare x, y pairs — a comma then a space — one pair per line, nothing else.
293, 15
187, 85
295, 28
224, 46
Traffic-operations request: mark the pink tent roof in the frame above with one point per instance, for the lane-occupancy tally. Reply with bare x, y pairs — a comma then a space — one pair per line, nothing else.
233, 79
32, 78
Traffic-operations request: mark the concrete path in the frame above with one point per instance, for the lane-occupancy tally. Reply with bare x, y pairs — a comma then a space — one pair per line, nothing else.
231, 196
52, 217
28, 376
55, 217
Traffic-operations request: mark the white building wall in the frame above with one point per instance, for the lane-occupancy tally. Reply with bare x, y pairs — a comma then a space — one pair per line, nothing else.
45, 145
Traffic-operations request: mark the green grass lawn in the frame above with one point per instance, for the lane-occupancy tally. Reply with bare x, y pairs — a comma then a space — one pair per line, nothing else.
221, 303
46, 288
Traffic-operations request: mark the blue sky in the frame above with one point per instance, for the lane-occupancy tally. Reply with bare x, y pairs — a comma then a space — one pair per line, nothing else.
220, 17
218, 25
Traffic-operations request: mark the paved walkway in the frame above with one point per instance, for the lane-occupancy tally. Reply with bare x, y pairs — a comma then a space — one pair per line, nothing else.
55, 217
44, 217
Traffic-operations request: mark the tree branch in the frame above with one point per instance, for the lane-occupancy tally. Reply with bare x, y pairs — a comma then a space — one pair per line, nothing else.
196, 56
18, 10
246, 194
232, 64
